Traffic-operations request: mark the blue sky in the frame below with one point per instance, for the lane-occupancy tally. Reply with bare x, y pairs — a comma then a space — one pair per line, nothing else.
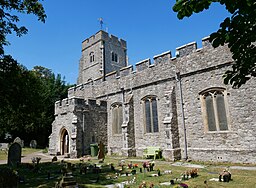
150, 27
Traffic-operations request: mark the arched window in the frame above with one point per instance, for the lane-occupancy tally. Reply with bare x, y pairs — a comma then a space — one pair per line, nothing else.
114, 57
150, 114
91, 56
117, 118
214, 109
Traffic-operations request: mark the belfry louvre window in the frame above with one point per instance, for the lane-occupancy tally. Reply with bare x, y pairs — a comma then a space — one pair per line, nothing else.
117, 118
214, 109
150, 114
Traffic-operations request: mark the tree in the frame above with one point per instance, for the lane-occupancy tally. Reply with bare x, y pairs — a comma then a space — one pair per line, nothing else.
8, 21
18, 97
27, 100
53, 88
237, 31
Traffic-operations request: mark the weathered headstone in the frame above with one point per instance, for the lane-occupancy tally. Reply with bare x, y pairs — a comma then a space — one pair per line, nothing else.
33, 144
14, 154
4, 147
101, 154
19, 141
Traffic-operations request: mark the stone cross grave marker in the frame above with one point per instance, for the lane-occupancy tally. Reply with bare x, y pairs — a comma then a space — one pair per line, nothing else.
14, 154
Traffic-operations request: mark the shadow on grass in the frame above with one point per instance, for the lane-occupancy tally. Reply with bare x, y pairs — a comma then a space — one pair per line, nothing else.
48, 174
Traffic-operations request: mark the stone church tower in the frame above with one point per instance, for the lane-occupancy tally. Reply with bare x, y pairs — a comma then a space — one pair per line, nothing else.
101, 54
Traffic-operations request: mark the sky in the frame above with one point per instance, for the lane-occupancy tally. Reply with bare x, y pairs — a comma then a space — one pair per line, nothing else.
150, 27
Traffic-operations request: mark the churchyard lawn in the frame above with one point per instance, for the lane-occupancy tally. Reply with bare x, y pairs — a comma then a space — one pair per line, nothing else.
86, 174
25, 151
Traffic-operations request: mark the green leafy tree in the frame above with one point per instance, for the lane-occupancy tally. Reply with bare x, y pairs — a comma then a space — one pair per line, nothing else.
9, 21
18, 97
27, 100
237, 31
53, 89
19, 93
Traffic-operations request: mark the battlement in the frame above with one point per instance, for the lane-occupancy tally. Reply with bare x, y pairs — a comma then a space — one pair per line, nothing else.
163, 57
103, 36
186, 49
146, 64
70, 104
126, 71
140, 66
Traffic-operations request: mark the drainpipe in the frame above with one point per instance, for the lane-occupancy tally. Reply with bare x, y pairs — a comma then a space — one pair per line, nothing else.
178, 79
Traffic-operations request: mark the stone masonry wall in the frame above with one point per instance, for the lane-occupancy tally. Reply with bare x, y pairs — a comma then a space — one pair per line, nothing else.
85, 122
235, 145
199, 69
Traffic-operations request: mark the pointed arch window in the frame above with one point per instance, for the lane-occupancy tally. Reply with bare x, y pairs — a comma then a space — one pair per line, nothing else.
91, 56
150, 114
114, 57
117, 118
215, 109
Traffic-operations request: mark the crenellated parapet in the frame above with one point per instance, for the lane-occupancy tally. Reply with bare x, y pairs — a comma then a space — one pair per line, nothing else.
69, 105
164, 57
206, 42
186, 49
126, 71
103, 36
140, 66
161, 59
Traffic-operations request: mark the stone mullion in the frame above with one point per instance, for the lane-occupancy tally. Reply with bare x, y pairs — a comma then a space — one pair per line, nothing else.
215, 112
151, 115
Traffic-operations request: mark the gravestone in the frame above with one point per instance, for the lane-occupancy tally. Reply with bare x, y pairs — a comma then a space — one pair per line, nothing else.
19, 141
33, 144
3, 146
14, 154
101, 154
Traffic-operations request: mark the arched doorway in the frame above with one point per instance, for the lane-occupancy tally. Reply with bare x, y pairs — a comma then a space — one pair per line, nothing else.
64, 142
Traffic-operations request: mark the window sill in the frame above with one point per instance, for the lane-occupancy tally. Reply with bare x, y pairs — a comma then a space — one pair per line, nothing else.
152, 133
219, 132
117, 135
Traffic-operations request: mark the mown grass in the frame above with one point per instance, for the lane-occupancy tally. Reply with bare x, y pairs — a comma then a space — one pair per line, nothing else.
25, 151
38, 176
3, 154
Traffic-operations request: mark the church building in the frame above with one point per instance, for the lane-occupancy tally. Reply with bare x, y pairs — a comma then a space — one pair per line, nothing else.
178, 104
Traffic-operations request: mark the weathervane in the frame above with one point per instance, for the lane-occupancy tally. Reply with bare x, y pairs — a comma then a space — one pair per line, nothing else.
101, 23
